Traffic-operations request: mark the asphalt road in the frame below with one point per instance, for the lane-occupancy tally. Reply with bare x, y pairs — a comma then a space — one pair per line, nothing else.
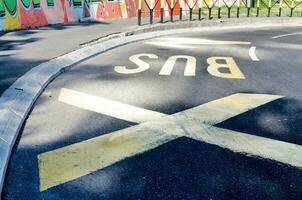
92, 133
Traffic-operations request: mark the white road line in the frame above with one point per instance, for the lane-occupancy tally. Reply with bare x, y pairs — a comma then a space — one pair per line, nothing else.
185, 42
73, 161
252, 53
285, 35
108, 107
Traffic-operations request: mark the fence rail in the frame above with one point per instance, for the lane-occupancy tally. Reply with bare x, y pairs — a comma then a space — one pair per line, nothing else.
216, 8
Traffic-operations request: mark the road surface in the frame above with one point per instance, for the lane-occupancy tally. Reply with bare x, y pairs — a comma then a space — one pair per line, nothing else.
203, 115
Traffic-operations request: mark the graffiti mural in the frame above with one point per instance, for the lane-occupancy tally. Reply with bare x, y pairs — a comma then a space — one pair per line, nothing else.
21, 14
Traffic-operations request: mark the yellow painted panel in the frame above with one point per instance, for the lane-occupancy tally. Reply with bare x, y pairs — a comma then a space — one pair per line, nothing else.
12, 23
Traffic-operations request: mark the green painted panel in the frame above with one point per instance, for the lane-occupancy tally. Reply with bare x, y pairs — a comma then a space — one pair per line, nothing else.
11, 6
50, 2
101, 1
77, 2
26, 3
2, 9
36, 3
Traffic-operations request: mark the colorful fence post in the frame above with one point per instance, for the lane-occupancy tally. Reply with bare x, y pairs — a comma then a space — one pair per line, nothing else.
238, 8
269, 8
210, 10
199, 9
280, 8
139, 14
151, 11
258, 8
172, 10
180, 9
191, 10
219, 9
162, 7
292, 9
248, 8
229, 11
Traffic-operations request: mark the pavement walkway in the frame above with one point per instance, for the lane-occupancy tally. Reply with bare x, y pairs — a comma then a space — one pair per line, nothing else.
22, 50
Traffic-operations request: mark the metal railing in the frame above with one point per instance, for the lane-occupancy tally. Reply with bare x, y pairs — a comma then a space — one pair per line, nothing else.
216, 8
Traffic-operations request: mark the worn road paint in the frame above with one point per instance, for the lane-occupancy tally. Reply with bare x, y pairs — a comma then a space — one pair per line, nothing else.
228, 63
142, 65
185, 42
73, 161
190, 67
252, 53
107, 107
285, 35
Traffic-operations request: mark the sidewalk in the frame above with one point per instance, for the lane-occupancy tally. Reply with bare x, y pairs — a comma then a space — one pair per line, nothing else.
22, 50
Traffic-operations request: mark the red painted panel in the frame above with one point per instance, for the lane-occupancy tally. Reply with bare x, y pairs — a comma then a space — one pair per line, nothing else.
109, 11
32, 18
131, 8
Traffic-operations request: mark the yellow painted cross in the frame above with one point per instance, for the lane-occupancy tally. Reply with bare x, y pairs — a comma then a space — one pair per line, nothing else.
74, 161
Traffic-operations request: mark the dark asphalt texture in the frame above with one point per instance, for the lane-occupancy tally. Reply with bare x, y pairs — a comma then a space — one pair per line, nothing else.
183, 168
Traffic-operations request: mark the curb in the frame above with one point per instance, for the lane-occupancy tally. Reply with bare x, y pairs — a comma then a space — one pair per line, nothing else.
17, 101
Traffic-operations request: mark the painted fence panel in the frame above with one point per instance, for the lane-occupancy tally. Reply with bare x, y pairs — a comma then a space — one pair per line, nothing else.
21, 14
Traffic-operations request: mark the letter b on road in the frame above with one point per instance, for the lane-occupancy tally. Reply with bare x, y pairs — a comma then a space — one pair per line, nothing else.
215, 68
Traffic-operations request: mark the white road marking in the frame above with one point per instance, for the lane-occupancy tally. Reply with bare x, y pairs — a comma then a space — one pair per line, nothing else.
107, 107
253, 54
170, 45
73, 161
285, 35
185, 42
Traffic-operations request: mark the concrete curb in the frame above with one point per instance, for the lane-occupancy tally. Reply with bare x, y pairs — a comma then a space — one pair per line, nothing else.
17, 101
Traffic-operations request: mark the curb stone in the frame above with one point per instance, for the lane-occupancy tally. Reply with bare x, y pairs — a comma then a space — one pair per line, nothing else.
17, 101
